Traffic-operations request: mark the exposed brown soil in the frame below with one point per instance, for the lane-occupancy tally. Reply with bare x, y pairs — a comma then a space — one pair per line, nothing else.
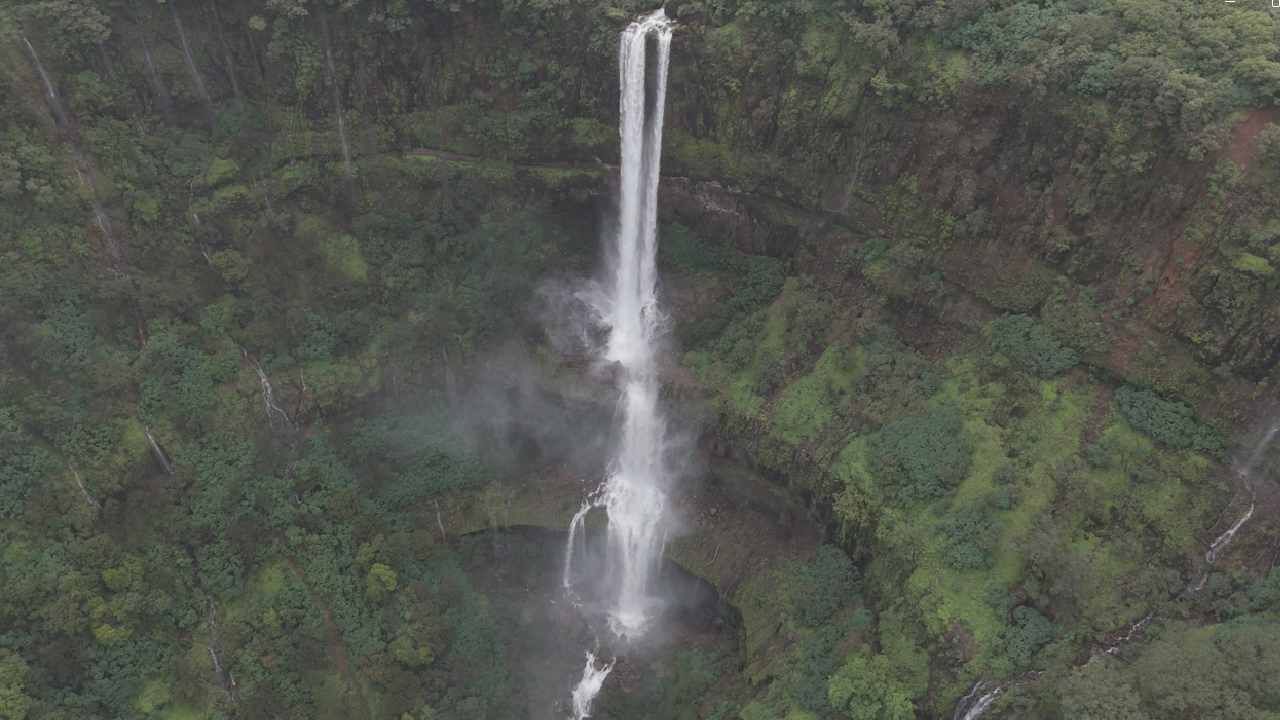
1176, 267
1243, 149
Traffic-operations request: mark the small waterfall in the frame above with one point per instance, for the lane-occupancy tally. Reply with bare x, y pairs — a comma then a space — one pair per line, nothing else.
589, 686
571, 547
1223, 540
980, 699
157, 83
984, 694
155, 450
1244, 471
337, 98
196, 79
273, 409
227, 56
93, 504
51, 95
81, 165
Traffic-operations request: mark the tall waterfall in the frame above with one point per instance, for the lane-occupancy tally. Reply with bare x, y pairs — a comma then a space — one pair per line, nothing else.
634, 492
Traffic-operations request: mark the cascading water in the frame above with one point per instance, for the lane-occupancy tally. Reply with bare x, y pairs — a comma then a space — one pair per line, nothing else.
55, 104
337, 99
157, 83
83, 168
983, 694
634, 492
633, 496
1245, 473
980, 698
196, 79
586, 690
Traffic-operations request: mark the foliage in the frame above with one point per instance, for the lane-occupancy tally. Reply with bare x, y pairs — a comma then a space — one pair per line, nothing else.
300, 544
817, 588
1172, 423
922, 456
1098, 692
864, 689
14, 703
1027, 343
968, 536
1029, 632
1253, 264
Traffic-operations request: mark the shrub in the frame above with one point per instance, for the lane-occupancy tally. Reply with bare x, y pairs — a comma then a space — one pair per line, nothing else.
821, 586
1030, 346
1029, 632
1168, 422
866, 687
923, 456
969, 536
1252, 264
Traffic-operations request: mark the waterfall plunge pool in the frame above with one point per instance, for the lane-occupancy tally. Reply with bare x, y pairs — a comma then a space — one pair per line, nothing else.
518, 570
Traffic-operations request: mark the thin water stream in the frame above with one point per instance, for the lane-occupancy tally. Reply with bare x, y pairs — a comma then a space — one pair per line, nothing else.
337, 98
984, 693
79, 162
196, 78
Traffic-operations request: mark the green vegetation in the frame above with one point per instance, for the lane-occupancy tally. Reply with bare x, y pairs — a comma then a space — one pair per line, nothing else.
1027, 343
985, 290
1172, 423
922, 456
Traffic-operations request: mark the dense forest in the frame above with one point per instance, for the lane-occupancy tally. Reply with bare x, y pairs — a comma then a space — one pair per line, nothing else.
975, 335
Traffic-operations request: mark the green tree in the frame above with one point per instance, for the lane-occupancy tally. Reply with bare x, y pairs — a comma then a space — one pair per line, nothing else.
923, 456
1030, 346
380, 582
864, 688
14, 702
1170, 422
1098, 691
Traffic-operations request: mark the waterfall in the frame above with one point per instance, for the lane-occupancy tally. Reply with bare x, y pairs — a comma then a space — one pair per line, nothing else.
155, 450
587, 688
337, 99
633, 494
273, 408
1245, 473
55, 105
157, 83
191, 63
570, 547
980, 699
80, 163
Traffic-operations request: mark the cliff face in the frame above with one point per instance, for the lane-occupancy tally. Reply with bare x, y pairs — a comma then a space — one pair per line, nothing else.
1123, 190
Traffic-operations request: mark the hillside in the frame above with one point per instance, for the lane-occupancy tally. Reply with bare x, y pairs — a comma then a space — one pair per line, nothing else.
973, 354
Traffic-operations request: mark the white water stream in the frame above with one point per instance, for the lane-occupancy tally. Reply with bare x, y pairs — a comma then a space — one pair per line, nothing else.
337, 99
587, 689
79, 162
157, 82
634, 492
983, 694
196, 79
